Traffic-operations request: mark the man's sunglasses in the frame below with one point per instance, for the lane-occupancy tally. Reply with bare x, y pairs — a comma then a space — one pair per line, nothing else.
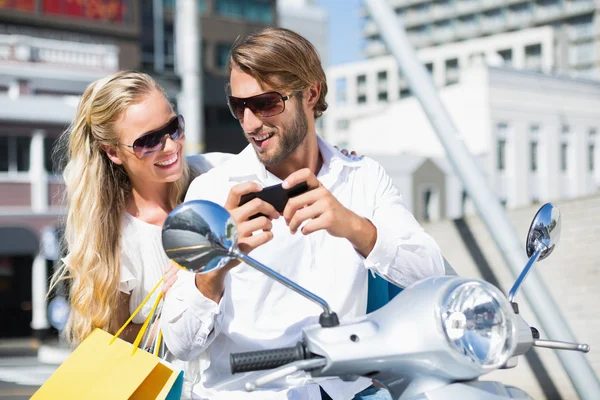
152, 142
262, 105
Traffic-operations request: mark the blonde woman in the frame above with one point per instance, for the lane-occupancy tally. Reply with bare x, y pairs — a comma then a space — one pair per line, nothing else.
125, 172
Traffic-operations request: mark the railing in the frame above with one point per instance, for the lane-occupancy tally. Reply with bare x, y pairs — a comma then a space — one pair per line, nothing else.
17, 49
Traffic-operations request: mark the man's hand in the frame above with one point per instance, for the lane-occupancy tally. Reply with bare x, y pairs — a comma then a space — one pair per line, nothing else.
245, 226
212, 284
326, 212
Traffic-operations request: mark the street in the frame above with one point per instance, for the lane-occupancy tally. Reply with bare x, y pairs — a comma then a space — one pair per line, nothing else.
21, 374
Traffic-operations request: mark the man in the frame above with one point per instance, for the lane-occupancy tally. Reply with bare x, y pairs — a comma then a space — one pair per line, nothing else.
349, 221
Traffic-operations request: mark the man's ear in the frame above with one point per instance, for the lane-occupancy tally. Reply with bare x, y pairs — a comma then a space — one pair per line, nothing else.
112, 154
314, 92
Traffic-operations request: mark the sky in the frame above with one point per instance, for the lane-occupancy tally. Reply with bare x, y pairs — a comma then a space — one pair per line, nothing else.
344, 30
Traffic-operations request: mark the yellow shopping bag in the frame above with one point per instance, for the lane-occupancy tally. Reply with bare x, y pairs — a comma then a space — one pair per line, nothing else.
108, 368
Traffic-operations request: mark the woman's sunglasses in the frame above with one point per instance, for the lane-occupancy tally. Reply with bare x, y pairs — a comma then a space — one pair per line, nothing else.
152, 142
262, 105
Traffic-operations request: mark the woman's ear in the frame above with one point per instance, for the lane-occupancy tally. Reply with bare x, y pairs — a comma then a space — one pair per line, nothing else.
112, 154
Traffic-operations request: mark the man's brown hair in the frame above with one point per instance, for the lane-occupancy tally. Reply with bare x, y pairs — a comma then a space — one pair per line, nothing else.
282, 60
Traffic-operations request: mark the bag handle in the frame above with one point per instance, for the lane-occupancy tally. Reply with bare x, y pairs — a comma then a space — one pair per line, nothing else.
146, 322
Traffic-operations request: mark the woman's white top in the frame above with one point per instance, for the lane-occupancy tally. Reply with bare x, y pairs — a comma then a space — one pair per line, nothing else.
143, 259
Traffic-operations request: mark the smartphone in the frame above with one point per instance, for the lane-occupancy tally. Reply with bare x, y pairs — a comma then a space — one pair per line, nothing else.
275, 195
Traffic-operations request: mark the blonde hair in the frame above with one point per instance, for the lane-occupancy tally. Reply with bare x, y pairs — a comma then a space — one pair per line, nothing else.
281, 59
96, 191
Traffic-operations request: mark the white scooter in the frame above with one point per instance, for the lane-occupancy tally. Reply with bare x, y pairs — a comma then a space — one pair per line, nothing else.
432, 341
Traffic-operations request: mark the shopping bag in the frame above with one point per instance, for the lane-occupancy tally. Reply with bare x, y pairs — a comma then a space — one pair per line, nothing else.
106, 367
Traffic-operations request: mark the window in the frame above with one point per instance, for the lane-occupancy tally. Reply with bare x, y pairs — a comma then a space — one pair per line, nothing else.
14, 153
404, 93
222, 56
582, 53
4, 153
382, 76
565, 129
533, 56
229, 8
361, 99
49, 145
501, 154
506, 56
533, 155
429, 67
564, 148
258, 11
382, 96
361, 80
581, 27
452, 71
591, 150
251, 10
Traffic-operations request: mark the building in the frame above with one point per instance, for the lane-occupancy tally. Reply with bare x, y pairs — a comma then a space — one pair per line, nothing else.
50, 51
367, 87
535, 136
221, 23
431, 23
307, 19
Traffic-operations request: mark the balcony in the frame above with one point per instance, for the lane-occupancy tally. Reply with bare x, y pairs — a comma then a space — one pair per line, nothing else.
375, 48
493, 25
467, 6
419, 40
416, 18
23, 50
579, 6
519, 20
493, 3
443, 35
466, 31
581, 31
544, 13
442, 12
370, 29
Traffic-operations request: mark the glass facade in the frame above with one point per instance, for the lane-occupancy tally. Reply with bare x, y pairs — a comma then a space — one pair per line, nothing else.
251, 10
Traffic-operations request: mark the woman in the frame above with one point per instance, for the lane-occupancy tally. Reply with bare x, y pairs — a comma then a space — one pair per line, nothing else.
125, 172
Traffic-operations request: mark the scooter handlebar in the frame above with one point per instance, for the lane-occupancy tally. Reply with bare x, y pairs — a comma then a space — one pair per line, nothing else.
267, 359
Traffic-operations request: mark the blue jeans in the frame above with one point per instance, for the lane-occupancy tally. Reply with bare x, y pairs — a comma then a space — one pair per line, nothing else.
373, 393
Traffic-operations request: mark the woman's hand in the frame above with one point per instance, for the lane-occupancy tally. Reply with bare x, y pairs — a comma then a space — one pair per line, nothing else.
170, 277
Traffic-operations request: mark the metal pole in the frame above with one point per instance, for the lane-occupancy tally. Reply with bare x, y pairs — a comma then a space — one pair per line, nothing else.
486, 202
189, 67
159, 35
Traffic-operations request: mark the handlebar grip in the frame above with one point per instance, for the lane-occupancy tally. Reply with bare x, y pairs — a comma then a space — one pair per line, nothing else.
266, 359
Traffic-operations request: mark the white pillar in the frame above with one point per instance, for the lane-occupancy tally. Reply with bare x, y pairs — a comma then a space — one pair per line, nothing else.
37, 173
189, 67
39, 288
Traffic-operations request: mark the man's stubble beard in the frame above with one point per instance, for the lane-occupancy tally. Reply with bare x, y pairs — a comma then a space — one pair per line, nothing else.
289, 141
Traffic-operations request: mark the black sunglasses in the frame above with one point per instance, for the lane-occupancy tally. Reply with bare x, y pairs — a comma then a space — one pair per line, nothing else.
153, 141
262, 105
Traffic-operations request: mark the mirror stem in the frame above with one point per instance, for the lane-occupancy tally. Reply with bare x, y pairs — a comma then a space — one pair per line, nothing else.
283, 280
523, 275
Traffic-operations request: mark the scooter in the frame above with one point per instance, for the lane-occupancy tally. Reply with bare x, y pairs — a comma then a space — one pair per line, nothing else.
432, 341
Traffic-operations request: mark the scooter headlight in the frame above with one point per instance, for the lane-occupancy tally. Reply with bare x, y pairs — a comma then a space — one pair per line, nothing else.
479, 324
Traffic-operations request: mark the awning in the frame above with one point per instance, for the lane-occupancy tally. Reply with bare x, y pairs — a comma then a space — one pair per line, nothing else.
18, 241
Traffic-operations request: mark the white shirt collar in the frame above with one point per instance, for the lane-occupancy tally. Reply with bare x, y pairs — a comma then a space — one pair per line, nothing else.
249, 167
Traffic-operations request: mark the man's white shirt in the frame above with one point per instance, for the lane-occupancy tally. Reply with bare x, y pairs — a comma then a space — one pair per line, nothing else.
257, 312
